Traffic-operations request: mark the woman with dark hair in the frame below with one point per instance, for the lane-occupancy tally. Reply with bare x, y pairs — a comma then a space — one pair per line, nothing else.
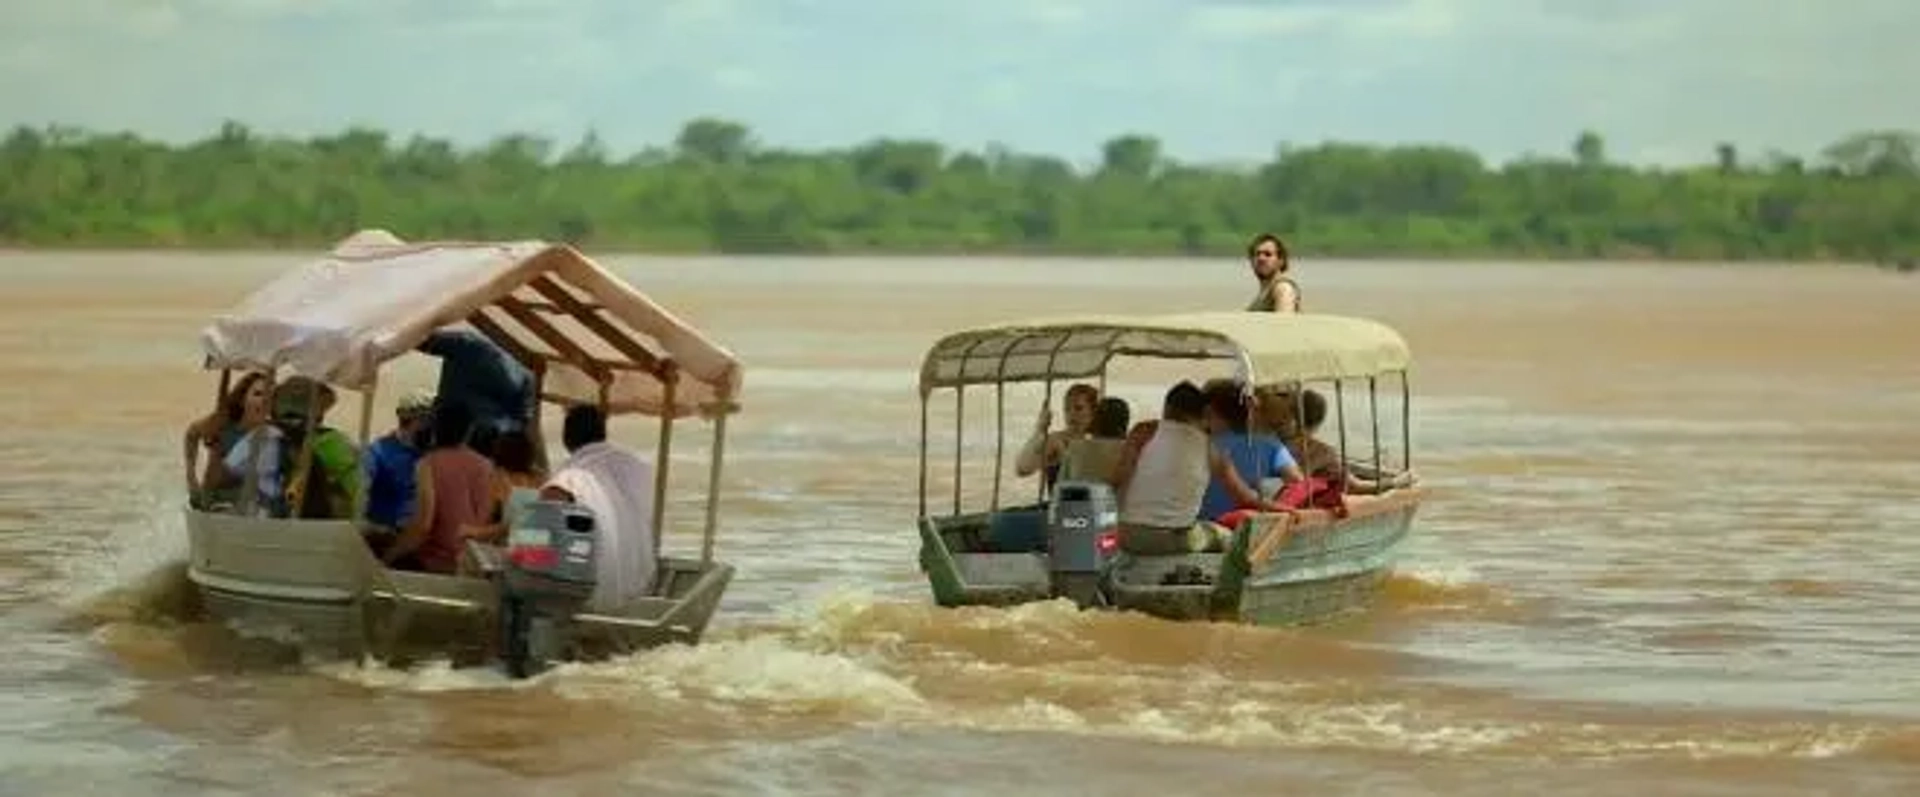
453, 490
1096, 457
1044, 448
243, 409
1268, 258
1255, 457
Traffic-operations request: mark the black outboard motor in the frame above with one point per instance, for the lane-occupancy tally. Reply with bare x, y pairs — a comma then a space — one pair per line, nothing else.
1083, 522
546, 577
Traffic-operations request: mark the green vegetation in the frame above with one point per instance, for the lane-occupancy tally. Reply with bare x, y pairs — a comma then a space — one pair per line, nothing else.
715, 189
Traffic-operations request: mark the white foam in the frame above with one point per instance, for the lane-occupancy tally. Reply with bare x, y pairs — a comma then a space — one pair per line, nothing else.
431, 676
129, 553
765, 673
847, 657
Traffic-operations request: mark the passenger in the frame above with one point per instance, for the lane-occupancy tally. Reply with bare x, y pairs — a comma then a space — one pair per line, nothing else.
617, 485
1298, 422
243, 409
516, 480
1255, 457
1279, 413
1044, 449
1095, 458
389, 467
284, 487
1166, 480
1137, 439
1268, 258
496, 389
255, 456
452, 491
327, 484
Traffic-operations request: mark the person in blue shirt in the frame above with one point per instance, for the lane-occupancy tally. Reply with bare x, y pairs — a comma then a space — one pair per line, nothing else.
389, 466
1256, 456
496, 389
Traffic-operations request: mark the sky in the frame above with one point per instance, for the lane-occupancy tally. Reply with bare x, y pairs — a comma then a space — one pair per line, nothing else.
1662, 81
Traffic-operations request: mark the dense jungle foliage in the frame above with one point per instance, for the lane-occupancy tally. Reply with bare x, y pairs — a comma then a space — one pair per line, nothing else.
716, 189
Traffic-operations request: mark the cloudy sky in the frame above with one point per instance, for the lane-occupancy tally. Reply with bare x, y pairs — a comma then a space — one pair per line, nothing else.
1662, 80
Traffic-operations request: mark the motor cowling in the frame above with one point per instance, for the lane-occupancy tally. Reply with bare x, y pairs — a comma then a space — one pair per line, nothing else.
1083, 520
546, 576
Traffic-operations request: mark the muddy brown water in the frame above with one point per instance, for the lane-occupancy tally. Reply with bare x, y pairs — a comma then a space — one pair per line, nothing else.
1671, 548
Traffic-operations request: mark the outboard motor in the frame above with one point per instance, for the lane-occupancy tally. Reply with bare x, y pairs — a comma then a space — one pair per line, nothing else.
1083, 532
547, 576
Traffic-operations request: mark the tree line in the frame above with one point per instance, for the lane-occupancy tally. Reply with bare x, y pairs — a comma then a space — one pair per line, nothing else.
715, 188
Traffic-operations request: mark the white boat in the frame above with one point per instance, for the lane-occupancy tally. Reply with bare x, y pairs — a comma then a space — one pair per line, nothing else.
587, 337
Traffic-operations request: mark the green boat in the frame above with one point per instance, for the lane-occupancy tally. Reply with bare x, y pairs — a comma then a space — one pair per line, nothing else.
1297, 567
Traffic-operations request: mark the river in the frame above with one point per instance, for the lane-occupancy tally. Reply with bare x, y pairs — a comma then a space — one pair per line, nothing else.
1670, 548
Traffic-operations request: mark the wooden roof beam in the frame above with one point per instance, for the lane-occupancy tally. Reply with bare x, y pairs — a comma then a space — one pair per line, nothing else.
568, 350
589, 315
534, 361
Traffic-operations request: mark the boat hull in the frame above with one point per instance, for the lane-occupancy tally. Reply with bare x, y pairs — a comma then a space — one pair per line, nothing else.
1277, 570
315, 584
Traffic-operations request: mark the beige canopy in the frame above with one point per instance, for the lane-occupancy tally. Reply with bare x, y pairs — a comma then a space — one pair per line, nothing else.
375, 297
1266, 347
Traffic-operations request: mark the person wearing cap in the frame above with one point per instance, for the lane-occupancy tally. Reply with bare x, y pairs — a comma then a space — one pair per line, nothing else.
389, 465
328, 484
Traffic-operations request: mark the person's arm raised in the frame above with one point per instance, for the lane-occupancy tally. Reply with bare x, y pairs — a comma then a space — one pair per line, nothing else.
1032, 456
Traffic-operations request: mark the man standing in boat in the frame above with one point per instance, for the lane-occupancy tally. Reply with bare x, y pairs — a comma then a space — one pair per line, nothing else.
1271, 264
496, 389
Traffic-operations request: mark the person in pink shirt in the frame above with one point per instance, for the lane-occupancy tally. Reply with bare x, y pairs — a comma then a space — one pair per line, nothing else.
453, 490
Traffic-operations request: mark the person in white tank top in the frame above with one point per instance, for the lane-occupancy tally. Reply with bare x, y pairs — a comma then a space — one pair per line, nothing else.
1169, 478
1163, 486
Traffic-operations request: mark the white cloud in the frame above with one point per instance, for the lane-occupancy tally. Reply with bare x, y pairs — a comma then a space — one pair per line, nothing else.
1057, 12
738, 78
1217, 79
1255, 24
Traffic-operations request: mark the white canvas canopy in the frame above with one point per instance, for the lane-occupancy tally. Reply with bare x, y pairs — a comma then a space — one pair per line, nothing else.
1266, 347
375, 297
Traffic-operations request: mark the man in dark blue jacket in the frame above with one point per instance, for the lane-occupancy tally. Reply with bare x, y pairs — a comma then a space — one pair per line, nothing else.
494, 387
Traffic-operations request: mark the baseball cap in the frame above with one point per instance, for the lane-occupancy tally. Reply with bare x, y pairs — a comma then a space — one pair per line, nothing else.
290, 398
416, 404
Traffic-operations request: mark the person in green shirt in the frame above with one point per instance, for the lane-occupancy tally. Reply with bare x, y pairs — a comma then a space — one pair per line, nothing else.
327, 485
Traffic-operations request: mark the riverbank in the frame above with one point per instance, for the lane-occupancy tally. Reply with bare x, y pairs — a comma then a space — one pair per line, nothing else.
716, 192
316, 246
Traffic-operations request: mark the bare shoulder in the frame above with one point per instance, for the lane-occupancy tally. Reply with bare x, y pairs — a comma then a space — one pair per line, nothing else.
1286, 294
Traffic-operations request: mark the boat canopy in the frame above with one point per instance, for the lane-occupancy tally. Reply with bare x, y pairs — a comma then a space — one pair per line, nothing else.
1267, 348
587, 334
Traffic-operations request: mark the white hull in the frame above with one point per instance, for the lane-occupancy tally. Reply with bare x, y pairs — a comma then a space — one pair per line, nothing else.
318, 580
